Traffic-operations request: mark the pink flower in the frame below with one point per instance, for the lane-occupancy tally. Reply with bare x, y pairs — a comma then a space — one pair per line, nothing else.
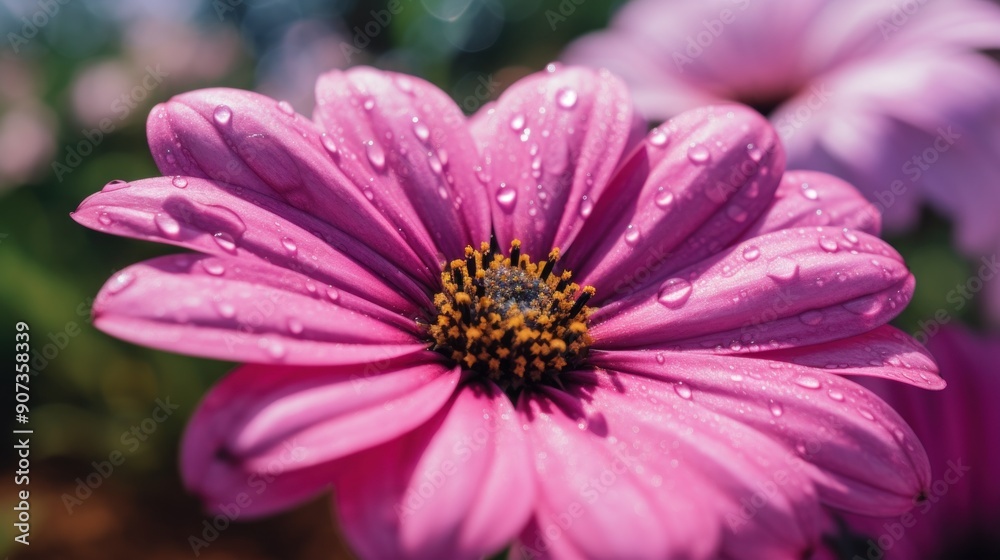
890, 95
689, 401
961, 429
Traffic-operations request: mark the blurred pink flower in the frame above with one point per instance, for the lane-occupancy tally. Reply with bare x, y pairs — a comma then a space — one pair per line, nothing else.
693, 406
27, 142
960, 428
890, 95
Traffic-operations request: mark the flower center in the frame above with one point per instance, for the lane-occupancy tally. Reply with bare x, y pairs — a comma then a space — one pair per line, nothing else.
510, 319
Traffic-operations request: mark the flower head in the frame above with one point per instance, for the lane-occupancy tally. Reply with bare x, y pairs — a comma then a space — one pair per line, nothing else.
538, 324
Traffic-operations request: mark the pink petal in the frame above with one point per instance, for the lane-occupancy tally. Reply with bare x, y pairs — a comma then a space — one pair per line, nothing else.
271, 431
249, 140
458, 487
691, 188
885, 352
863, 456
222, 220
810, 198
549, 146
414, 153
238, 310
635, 469
765, 293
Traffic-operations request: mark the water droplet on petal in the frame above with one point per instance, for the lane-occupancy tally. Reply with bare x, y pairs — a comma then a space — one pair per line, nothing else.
776, 409
332, 294
828, 245
179, 182
115, 185
421, 131
215, 268
330, 144
783, 269
104, 218
289, 245
808, 382
865, 306
811, 318
835, 395
566, 98
632, 235
167, 225
404, 84
369, 104
586, 207
276, 350
286, 108
699, 154
517, 123
751, 253
665, 199
121, 281
295, 326
660, 359
376, 155
682, 390
227, 310
866, 414
222, 114
675, 292
809, 192
658, 136
225, 241
850, 237
736, 214
507, 198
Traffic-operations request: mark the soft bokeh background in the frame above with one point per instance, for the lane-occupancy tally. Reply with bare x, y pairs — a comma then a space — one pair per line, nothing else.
99, 59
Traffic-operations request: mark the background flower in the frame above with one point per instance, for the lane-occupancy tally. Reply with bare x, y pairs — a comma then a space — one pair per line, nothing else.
894, 97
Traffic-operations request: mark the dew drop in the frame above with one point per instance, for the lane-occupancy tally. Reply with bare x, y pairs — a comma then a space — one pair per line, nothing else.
682, 390
751, 253
828, 245
404, 84
850, 237
517, 123
736, 214
332, 294
226, 310
566, 98
104, 218
421, 131
225, 241
222, 114
699, 154
675, 292
115, 185
276, 350
376, 155
507, 198
369, 104
835, 395
214, 268
660, 359
179, 182
289, 245
783, 269
658, 136
586, 207
866, 414
809, 192
811, 318
329, 144
665, 199
632, 235
776, 409
295, 326
808, 382
286, 108
167, 225
121, 281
